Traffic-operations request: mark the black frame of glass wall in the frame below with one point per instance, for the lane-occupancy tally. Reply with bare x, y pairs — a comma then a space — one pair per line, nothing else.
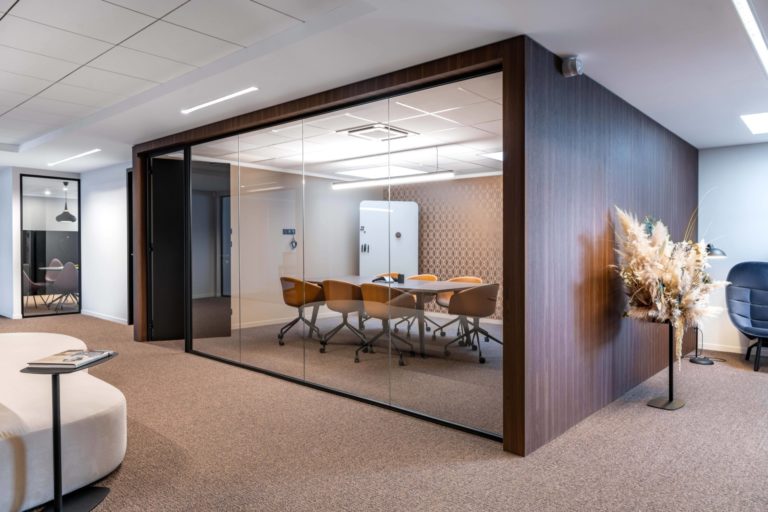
188, 305
79, 243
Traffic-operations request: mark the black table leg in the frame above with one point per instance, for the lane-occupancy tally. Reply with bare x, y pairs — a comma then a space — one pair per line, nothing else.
420, 318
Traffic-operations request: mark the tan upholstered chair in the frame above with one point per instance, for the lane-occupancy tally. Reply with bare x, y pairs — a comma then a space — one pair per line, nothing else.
345, 298
475, 303
385, 303
299, 294
427, 300
444, 299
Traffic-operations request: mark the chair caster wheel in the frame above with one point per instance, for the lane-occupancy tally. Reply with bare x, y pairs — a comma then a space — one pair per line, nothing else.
413, 353
482, 360
427, 328
365, 350
442, 333
322, 350
357, 359
281, 343
446, 353
401, 362
474, 347
486, 338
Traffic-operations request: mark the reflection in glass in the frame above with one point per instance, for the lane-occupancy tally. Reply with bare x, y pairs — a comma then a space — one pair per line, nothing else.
50, 248
366, 250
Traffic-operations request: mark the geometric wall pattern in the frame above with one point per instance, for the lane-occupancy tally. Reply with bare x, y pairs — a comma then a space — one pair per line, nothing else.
460, 229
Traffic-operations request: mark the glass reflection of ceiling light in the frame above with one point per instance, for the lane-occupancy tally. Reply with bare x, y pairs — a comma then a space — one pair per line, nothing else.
757, 123
47, 192
753, 30
218, 100
499, 155
381, 172
377, 132
262, 189
423, 113
401, 180
73, 157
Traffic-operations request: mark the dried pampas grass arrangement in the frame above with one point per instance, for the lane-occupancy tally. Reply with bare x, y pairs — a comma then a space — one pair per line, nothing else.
665, 281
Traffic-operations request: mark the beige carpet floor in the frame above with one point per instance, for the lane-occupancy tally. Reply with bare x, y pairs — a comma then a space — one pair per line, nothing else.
205, 436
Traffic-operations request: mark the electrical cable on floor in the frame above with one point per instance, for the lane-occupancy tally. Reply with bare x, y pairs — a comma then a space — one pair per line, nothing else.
718, 359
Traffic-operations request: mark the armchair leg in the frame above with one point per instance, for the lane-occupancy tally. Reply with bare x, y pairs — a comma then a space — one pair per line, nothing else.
749, 351
757, 353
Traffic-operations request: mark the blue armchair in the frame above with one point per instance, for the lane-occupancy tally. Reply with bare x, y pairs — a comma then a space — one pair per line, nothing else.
747, 298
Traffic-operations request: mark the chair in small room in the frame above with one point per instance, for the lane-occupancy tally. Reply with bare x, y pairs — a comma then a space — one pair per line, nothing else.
747, 299
345, 298
386, 304
30, 288
475, 303
444, 299
52, 275
427, 300
67, 286
299, 294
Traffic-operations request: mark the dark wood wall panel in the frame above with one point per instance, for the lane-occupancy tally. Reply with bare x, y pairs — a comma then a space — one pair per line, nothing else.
587, 150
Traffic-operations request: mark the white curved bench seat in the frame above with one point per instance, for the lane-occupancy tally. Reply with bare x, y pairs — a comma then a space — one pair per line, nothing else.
93, 424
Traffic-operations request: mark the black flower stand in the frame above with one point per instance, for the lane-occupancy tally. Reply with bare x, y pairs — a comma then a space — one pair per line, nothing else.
668, 402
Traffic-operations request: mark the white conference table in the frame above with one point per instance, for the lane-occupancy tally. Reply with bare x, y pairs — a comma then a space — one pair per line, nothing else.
419, 288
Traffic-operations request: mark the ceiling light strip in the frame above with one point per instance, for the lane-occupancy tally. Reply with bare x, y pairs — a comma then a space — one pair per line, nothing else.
219, 100
400, 180
73, 157
748, 19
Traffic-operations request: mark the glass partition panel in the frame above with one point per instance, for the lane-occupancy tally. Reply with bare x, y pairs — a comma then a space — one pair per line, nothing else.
213, 228
271, 241
346, 165
50, 246
457, 194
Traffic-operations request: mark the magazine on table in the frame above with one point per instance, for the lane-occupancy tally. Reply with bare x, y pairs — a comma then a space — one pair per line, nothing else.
70, 359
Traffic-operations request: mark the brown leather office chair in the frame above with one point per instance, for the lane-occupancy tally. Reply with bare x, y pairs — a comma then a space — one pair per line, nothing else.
443, 299
300, 294
386, 303
345, 298
475, 303
427, 300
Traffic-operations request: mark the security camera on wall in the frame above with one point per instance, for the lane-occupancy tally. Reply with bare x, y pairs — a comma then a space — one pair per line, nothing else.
572, 66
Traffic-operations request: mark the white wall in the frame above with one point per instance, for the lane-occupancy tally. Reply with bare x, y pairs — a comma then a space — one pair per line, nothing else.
104, 243
733, 215
9, 257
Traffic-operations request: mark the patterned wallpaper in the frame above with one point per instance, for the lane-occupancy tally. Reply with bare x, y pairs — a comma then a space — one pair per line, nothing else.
460, 228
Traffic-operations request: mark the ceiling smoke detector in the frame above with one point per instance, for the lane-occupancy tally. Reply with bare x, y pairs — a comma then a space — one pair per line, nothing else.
378, 132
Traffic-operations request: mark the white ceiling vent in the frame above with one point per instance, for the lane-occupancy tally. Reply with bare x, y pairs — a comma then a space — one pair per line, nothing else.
378, 132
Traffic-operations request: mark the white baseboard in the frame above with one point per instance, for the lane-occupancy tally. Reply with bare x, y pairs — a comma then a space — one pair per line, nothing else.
102, 316
725, 348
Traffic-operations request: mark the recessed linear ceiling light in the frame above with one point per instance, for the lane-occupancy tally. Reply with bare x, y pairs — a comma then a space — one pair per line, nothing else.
377, 132
748, 19
218, 100
757, 123
73, 157
401, 180
499, 155
381, 172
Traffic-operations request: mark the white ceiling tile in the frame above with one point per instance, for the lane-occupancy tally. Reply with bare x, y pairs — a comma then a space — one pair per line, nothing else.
92, 18
21, 83
476, 113
496, 127
108, 81
9, 99
26, 112
424, 124
296, 131
240, 21
79, 95
52, 42
61, 108
180, 44
488, 86
439, 98
15, 131
140, 65
154, 8
345, 121
261, 139
463, 135
31, 64
5, 4
302, 9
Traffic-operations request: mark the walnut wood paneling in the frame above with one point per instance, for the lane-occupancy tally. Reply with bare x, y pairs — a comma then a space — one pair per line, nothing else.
140, 313
587, 150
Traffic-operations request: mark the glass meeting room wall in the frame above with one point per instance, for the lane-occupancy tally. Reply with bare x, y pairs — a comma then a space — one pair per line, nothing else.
50, 246
311, 224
